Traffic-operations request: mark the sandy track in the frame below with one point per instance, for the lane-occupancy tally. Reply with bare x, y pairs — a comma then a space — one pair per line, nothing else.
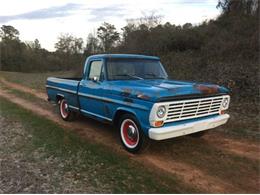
105, 135
239, 147
242, 148
192, 175
22, 88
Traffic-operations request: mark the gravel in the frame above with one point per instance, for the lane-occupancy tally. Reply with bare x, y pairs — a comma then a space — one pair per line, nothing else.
24, 169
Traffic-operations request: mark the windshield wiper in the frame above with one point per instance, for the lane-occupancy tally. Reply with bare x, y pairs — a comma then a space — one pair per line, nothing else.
154, 76
129, 75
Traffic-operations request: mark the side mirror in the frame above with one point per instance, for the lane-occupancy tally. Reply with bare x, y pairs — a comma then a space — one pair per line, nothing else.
95, 79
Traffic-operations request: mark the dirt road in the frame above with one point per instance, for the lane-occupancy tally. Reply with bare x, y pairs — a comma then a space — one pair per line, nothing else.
187, 158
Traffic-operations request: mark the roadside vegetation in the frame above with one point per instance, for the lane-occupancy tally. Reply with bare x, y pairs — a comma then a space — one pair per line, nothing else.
39, 156
34, 80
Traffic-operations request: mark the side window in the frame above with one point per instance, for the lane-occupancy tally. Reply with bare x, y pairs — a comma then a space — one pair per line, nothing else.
95, 70
102, 75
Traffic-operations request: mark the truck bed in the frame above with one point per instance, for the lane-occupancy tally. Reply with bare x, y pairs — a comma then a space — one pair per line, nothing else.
63, 87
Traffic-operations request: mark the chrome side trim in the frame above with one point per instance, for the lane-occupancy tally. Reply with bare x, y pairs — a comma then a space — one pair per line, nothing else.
109, 100
73, 107
90, 96
59, 94
97, 115
61, 89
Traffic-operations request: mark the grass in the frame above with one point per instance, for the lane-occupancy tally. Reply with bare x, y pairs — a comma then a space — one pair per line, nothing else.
27, 96
33, 80
103, 166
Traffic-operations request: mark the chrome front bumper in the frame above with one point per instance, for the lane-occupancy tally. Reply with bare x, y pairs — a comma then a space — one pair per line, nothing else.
162, 133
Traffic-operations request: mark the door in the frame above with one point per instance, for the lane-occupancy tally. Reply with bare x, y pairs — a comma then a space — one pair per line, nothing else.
91, 90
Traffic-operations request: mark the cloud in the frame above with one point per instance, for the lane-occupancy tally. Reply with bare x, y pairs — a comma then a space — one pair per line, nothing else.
204, 3
51, 12
193, 2
96, 13
101, 14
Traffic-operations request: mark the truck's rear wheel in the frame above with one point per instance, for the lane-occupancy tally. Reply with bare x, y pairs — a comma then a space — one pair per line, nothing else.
65, 113
131, 134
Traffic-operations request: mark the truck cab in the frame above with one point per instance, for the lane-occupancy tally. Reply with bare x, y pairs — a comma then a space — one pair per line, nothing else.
133, 92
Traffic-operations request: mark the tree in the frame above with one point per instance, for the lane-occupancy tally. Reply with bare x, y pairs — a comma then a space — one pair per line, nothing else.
92, 46
8, 32
77, 45
150, 20
187, 26
247, 7
36, 44
33, 45
11, 49
69, 44
108, 36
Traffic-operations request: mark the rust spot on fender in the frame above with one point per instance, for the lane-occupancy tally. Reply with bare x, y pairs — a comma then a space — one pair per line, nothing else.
143, 96
207, 89
126, 92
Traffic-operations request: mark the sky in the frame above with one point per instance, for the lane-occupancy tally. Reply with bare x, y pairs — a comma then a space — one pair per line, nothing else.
47, 19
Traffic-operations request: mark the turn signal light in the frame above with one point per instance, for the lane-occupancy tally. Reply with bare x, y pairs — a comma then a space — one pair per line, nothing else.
158, 123
222, 112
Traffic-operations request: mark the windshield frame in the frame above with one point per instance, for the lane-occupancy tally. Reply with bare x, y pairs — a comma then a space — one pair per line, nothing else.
129, 78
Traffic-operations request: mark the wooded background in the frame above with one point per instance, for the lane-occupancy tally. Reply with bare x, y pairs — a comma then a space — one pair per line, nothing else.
223, 51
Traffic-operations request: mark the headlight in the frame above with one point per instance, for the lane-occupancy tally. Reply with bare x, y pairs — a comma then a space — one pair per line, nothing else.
161, 111
225, 103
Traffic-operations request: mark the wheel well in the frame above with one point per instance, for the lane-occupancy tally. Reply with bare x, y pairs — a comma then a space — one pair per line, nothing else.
58, 98
118, 114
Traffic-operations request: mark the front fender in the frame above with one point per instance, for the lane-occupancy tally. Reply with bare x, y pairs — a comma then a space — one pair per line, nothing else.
141, 115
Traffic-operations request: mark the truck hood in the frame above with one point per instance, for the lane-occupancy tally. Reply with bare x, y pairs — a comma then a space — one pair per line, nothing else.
162, 90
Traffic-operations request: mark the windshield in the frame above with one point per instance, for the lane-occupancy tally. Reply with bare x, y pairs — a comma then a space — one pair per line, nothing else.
127, 69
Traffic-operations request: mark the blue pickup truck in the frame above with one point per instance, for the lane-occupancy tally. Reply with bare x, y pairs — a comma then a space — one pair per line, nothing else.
133, 93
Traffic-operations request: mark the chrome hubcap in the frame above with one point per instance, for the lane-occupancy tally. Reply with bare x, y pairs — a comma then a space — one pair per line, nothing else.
66, 107
131, 132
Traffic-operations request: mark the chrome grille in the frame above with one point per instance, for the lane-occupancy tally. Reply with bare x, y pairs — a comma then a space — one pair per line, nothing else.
188, 109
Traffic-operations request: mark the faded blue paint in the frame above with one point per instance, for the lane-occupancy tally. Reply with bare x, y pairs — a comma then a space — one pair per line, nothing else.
102, 100
157, 89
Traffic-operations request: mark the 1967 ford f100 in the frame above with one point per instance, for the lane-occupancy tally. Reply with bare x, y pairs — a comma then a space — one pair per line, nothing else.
133, 92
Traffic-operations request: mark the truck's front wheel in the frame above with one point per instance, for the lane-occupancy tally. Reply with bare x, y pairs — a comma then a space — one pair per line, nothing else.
131, 134
65, 113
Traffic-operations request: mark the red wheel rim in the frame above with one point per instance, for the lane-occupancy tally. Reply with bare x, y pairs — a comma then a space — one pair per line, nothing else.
129, 133
64, 109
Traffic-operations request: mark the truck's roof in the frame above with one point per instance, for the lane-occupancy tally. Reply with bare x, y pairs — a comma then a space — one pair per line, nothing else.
125, 56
